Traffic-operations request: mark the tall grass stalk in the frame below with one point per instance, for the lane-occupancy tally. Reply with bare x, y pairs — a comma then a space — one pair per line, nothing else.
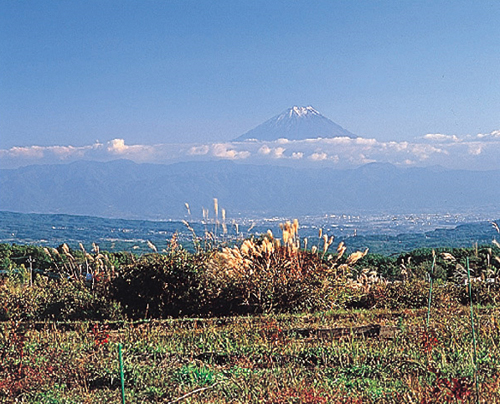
473, 331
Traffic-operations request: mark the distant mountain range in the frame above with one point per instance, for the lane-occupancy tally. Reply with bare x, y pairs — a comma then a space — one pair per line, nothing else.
123, 189
296, 123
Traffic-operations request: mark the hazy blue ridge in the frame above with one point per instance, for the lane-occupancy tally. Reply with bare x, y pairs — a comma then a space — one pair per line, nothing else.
123, 189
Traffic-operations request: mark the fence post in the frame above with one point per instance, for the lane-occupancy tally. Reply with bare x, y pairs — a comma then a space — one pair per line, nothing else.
122, 378
431, 274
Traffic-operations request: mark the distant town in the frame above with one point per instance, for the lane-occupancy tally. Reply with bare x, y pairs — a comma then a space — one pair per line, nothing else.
381, 233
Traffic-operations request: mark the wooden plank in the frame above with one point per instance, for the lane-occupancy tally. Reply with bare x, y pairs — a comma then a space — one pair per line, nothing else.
368, 331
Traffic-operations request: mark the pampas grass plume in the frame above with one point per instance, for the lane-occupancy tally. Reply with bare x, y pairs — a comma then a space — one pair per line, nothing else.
152, 246
216, 207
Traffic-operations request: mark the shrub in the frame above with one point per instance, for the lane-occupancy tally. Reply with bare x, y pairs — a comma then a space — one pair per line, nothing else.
161, 285
55, 300
483, 293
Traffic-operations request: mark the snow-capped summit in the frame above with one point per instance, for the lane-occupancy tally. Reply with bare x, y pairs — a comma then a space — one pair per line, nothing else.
302, 111
296, 123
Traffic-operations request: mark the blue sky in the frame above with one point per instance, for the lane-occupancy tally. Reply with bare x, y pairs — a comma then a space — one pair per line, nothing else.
151, 72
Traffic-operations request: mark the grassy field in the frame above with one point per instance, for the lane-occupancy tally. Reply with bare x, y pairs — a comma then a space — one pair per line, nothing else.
257, 359
271, 320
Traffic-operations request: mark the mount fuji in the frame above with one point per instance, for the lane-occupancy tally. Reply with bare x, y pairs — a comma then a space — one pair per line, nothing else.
296, 123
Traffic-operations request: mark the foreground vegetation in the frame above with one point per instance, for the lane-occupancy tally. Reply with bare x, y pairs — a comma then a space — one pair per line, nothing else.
262, 359
260, 276
249, 323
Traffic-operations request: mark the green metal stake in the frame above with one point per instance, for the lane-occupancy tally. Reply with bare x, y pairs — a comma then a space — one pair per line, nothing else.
430, 291
122, 378
473, 331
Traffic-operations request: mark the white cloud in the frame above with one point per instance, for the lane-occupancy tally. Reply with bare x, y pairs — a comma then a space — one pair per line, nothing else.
199, 150
365, 142
396, 146
29, 152
223, 151
265, 150
480, 151
142, 152
424, 151
67, 151
487, 136
278, 152
439, 137
334, 140
117, 146
318, 156
40, 152
360, 158
475, 149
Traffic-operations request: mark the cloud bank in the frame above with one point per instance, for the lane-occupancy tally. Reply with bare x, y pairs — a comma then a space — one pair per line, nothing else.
479, 152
